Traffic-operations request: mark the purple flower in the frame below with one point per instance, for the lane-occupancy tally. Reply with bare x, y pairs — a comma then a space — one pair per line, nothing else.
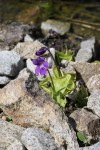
41, 64
38, 61
41, 51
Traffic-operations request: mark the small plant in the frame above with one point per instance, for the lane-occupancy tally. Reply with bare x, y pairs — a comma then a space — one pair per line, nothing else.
9, 119
60, 83
82, 138
64, 56
81, 96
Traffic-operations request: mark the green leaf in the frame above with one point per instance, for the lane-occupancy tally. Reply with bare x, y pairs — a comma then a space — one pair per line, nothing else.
43, 84
9, 119
64, 83
60, 99
67, 56
55, 71
81, 137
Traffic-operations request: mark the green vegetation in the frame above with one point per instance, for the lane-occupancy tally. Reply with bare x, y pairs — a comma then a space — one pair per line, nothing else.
61, 87
82, 138
9, 119
81, 96
61, 84
64, 56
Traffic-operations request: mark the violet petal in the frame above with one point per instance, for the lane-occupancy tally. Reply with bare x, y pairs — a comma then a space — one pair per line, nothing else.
41, 51
40, 60
42, 71
45, 64
37, 70
35, 62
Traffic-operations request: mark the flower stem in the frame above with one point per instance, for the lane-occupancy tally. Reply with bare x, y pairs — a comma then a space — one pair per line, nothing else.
51, 79
55, 64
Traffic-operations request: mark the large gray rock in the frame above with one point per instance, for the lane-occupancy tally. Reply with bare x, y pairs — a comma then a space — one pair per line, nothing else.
86, 51
94, 102
10, 136
29, 105
80, 120
11, 34
58, 26
37, 139
16, 145
68, 68
94, 83
27, 38
10, 63
93, 147
4, 80
28, 49
86, 70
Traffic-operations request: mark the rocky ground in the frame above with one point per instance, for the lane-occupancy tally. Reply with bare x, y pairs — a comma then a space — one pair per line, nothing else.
29, 118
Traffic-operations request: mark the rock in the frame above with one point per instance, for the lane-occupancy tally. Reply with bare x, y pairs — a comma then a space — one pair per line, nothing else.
57, 26
94, 83
31, 106
16, 145
85, 54
6, 48
4, 80
10, 143
29, 14
68, 68
10, 63
11, 135
80, 120
94, 129
50, 59
94, 102
11, 34
30, 65
37, 139
28, 49
86, 70
27, 38
93, 147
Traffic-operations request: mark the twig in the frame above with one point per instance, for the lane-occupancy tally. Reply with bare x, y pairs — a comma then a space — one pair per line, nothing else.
84, 24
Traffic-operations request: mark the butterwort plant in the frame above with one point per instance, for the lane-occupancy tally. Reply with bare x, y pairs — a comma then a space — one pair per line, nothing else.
60, 83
